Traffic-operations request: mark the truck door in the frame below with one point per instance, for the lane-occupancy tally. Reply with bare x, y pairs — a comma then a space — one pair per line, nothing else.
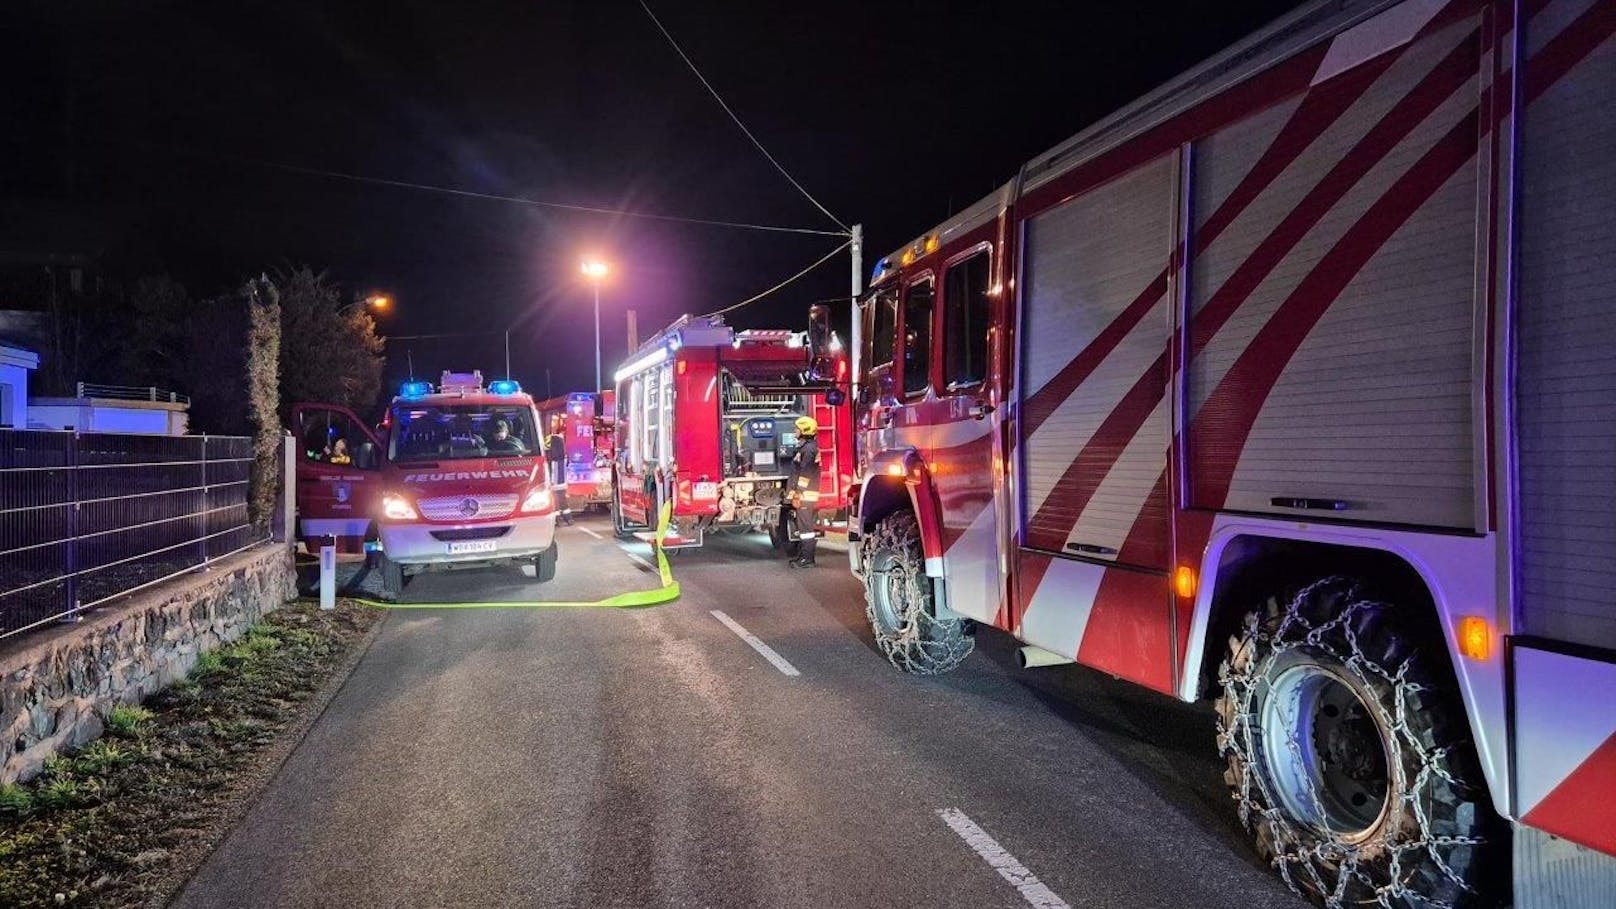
960, 450
338, 476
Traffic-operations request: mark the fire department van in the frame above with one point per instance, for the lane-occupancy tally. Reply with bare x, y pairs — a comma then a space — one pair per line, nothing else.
1292, 386
577, 419
705, 420
456, 478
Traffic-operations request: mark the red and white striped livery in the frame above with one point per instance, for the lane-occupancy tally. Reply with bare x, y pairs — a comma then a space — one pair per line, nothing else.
1292, 384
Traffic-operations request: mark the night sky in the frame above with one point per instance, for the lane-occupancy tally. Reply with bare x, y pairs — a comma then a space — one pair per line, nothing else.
141, 122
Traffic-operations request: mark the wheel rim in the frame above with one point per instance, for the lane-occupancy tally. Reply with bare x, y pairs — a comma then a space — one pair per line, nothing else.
887, 581
1326, 752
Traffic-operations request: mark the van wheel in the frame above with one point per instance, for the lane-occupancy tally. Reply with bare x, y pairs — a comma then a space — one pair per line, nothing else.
1350, 757
383, 578
544, 564
900, 604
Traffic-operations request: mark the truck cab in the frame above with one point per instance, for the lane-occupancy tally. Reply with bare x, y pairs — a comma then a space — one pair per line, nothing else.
455, 476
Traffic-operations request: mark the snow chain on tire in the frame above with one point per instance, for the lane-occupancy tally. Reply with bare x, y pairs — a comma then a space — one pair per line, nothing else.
920, 642
1428, 847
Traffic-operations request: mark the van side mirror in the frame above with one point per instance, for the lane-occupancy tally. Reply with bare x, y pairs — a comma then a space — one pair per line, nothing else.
365, 456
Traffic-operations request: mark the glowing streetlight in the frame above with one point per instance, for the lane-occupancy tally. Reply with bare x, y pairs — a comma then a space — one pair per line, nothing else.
595, 270
379, 302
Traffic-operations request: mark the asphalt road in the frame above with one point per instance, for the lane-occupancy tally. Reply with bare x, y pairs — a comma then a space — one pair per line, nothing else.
571, 757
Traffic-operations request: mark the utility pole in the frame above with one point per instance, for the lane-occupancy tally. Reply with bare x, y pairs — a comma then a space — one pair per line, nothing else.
856, 249
507, 353
633, 332
597, 334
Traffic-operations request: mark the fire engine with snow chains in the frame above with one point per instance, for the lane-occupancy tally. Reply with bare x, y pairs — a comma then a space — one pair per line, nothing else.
1291, 386
457, 479
705, 421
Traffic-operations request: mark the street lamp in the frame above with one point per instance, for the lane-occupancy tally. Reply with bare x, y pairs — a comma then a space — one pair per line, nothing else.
595, 270
379, 302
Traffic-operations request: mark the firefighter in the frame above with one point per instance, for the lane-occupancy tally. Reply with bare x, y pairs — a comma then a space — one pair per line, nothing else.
802, 485
556, 454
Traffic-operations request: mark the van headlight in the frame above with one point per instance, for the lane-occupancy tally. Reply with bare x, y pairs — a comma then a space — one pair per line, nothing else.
397, 508
538, 500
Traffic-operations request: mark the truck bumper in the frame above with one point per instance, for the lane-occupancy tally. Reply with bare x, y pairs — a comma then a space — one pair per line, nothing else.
425, 544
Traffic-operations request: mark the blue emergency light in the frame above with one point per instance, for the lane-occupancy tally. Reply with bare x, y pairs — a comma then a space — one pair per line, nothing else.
415, 390
504, 387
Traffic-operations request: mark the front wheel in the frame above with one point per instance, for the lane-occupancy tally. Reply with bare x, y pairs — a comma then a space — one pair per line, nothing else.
1349, 755
544, 564
901, 605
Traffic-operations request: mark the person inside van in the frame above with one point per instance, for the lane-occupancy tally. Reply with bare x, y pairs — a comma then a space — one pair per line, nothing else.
502, 442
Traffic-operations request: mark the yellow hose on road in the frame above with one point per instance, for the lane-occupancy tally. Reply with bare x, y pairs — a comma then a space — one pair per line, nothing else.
634, 599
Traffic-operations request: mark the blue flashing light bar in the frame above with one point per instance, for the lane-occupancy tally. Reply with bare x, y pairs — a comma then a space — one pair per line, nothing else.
504, 387
415, 390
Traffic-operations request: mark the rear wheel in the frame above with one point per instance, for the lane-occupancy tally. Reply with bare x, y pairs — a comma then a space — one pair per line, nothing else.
900, 604
620, 525
1349, 755
780, 534
544, 564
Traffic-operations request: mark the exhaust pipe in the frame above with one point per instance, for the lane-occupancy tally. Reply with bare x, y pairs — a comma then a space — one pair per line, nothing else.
1033, 657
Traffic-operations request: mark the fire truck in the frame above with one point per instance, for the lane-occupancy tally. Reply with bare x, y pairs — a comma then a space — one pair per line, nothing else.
577, 419
706, 421
1291, 386
455, 478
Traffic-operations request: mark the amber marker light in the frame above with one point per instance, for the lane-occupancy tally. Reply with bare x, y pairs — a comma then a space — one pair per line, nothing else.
1184, 582
1475, 637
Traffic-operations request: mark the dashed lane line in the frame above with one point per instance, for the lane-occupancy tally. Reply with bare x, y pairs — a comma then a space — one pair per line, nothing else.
592, 533
1032, 889
757, 644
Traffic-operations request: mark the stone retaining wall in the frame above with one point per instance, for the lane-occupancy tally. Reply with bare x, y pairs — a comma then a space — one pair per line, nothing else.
58, 683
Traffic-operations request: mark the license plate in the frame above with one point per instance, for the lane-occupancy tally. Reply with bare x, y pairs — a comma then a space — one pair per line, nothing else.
464, 546
706, 490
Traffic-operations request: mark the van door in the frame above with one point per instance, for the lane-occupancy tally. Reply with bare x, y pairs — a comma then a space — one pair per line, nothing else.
339, 476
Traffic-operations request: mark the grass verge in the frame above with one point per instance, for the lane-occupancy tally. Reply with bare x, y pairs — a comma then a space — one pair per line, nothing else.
124, 820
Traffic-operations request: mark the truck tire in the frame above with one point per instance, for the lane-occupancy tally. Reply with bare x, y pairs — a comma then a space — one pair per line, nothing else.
1349, 755
544, 564
899, 602
780, 535
620, 526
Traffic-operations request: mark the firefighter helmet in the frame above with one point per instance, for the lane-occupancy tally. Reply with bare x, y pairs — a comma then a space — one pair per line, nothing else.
807, 426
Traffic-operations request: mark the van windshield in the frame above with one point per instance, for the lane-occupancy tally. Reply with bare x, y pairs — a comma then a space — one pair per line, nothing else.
448, 432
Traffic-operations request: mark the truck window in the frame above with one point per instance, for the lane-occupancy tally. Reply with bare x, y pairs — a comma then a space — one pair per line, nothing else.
917, 337
883, 329
965, 321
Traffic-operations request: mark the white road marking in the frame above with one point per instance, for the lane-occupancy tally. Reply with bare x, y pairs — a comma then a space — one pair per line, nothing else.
768, 652
1032, 889
591, 532
641, 562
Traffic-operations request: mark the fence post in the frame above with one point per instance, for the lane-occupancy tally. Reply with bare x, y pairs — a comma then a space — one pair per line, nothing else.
207, 504
71, 588
288, 515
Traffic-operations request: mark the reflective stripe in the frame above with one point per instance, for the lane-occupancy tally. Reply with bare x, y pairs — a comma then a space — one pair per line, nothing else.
802, 482
810, 496
807, 535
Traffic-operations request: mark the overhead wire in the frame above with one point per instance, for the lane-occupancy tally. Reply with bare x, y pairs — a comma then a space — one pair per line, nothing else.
732, 115
756, 297
495, 197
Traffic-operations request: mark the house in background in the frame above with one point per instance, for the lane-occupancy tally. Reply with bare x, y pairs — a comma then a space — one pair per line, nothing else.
114, 408
15, 365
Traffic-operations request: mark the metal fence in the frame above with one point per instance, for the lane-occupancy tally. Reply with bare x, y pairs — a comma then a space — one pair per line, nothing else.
129, 393
85, 516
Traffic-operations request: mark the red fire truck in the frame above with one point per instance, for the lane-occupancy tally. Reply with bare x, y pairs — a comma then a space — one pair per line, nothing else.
577, 419
458, 479
705, 420
1291, 385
